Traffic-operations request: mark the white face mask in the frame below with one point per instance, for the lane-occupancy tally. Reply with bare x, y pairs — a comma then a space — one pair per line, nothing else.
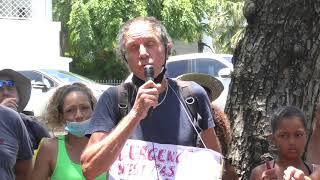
78, 128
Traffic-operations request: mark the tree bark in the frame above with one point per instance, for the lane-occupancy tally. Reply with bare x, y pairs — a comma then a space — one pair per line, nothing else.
276, 63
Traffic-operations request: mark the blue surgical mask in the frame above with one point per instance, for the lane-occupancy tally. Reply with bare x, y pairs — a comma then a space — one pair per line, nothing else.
77, 128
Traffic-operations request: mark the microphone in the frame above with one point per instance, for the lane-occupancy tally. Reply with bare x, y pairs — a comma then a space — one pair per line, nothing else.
148, 72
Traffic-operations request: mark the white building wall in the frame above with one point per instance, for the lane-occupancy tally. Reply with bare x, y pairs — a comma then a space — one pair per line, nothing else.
181, 47
31, 42
42, 10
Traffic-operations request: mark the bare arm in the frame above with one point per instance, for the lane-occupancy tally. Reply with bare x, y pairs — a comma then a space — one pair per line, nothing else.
313, 149
23, 169
103, 148
211, 140
43, 165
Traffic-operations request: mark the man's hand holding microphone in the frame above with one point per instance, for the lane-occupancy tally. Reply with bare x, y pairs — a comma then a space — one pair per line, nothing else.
147, 95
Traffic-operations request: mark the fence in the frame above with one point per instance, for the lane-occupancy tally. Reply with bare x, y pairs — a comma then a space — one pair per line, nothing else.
112, 82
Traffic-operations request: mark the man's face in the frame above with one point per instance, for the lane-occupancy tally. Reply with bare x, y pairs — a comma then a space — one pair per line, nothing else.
143, 46
7, 90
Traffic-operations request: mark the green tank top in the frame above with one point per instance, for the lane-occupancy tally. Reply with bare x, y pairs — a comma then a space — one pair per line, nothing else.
65, 168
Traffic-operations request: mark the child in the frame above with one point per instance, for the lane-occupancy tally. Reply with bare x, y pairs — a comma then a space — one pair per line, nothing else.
289, 135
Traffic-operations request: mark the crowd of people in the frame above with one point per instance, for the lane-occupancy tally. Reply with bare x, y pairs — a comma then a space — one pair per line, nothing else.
153, 110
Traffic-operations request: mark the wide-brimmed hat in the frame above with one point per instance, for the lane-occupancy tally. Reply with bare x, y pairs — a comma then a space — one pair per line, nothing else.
212, 84
22, 84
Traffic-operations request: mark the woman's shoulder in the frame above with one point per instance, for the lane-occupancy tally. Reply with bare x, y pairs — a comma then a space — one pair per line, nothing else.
49, 145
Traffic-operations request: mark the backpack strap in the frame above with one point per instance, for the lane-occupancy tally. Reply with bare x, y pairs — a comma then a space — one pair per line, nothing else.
190, 101
126, 96
125, 92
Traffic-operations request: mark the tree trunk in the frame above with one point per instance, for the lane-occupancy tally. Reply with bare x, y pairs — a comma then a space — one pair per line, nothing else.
276, 63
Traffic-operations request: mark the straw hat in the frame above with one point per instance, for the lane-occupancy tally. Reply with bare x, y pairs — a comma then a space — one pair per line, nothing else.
210, 83
22, 84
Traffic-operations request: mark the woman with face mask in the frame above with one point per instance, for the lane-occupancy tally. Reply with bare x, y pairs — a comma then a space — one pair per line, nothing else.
59, 157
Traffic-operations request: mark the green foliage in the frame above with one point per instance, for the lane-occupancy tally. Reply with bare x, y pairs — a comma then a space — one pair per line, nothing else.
90, 28
181, 19
186, 19
81, 32
102, 68
227, 23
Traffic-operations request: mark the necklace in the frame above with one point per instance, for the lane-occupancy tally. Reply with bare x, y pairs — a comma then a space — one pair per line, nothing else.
164, 97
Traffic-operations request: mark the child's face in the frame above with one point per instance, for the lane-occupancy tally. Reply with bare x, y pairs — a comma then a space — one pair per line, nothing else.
290, 138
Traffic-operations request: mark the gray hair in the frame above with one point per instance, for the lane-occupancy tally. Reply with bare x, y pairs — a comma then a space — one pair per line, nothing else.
154, 23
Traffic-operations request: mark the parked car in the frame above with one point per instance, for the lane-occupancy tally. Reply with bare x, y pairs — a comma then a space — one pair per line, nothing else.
227, 57
45, 81
207, 63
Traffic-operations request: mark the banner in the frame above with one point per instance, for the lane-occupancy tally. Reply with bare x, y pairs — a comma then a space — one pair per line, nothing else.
141, 160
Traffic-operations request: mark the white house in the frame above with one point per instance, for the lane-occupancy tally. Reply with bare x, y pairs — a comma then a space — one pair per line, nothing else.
29, 39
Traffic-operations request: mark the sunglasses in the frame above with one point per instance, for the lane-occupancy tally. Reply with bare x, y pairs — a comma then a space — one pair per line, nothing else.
8, 83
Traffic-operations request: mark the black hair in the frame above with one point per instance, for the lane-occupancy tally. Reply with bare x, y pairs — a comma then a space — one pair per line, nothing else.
284, 113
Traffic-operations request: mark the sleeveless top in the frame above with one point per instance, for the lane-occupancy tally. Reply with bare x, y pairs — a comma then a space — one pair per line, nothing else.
65, 168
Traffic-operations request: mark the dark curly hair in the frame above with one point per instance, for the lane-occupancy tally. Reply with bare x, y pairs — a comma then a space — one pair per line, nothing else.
222, 128
54, 110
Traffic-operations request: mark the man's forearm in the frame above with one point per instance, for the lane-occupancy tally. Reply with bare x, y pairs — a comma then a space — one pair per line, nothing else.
211, 140
98, 157
23, 169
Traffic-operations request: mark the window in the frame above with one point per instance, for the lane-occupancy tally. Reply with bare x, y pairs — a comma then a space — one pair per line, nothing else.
33, 76
37, 77
16, 9
208, 66
47, 80
176, 68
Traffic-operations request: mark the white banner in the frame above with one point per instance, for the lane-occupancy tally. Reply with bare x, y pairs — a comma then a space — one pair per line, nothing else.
141, 160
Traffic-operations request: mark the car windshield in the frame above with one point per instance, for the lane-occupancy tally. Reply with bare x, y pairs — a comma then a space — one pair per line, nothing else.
176, 68
67, 77
200, 65
228, 57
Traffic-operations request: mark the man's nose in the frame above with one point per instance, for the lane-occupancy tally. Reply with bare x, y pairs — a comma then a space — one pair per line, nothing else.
143, 53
